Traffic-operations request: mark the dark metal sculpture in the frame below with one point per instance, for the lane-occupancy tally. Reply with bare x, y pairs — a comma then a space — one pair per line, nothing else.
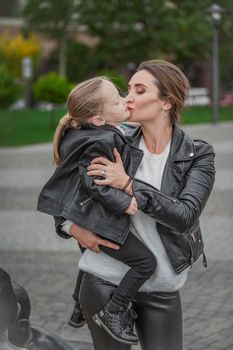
16, 332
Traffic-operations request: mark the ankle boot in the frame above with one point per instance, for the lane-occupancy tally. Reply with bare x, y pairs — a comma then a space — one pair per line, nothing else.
117, 322
77, 319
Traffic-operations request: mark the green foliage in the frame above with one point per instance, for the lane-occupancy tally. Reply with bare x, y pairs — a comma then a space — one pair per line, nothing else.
52, 88
9, 90
179, 31
49, 16
118, 79
80, 61
55, 20
132, 31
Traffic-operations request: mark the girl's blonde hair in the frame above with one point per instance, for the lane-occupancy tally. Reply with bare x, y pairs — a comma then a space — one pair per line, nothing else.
83, 102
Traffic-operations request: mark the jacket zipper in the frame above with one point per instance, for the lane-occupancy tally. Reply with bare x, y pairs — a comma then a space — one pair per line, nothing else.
86, 201
191, 260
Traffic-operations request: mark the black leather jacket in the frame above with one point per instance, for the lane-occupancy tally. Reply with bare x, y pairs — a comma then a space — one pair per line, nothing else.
187, 182
73, 195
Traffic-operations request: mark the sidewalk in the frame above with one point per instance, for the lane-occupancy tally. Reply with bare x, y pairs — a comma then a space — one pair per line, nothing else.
47, 265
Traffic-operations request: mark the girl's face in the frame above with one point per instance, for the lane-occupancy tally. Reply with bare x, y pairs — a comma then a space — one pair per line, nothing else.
142, 100
115, 110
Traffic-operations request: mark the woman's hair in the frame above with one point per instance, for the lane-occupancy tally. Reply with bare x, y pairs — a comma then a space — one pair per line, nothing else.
83, 102
171, 82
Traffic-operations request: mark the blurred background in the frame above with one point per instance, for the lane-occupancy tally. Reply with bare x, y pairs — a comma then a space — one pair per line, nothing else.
47, 47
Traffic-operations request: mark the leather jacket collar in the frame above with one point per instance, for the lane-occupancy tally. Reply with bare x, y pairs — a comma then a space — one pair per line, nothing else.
182, 146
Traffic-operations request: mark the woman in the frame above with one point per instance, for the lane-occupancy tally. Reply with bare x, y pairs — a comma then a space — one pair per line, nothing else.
172, 186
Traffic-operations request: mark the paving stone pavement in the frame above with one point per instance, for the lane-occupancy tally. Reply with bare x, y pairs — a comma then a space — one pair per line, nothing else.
47, 265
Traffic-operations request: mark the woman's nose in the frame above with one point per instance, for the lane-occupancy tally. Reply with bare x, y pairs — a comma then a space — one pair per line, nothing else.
129, 97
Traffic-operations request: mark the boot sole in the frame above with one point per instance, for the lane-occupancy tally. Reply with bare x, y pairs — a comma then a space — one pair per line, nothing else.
76, 325
99, 323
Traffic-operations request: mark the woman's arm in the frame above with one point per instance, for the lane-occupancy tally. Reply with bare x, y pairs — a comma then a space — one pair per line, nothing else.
113, 199
180, 213
177, 213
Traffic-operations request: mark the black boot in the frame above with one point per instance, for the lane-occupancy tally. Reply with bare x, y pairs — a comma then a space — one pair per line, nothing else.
77, 319
118, 322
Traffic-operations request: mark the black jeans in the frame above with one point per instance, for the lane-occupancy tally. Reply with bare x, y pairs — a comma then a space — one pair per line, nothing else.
159, 322
142, 262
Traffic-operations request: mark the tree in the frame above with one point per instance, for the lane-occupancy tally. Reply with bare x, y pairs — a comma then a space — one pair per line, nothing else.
14, 48
55, 19
135, 30
9, 90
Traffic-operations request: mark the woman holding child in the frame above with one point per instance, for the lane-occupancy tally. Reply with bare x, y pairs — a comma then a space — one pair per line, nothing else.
171, 187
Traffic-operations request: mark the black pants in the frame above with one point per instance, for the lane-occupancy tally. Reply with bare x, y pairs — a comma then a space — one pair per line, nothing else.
159, 322
142, 262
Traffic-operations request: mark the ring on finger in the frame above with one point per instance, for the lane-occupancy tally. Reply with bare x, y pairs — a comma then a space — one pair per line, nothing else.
103, 173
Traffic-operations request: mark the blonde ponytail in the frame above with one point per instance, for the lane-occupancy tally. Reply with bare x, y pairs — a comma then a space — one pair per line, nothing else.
64, 123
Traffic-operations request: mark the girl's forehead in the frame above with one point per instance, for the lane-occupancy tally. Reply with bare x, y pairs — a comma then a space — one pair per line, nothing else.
109, 89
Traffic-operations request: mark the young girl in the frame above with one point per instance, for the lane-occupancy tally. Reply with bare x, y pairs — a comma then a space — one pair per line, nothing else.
91, 129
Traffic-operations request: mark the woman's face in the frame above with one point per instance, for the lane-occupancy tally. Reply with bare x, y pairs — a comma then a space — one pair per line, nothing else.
142, 100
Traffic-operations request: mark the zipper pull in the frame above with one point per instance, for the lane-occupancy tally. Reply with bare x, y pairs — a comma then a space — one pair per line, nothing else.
193, 237
204, 260
86, 201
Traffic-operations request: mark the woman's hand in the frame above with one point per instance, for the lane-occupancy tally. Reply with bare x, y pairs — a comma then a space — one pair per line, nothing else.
90, 240
114, 173
133, 207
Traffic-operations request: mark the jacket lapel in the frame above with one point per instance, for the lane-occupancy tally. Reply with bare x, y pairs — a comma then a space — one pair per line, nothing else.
182, 152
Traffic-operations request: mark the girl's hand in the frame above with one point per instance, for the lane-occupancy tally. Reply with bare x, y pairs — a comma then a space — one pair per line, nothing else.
133, 207
114, 173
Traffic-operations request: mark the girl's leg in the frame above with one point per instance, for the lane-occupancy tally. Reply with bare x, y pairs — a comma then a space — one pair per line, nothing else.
159, 322
94, 295
142, 262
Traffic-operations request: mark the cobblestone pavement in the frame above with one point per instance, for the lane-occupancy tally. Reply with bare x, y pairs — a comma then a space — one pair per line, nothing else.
47, 265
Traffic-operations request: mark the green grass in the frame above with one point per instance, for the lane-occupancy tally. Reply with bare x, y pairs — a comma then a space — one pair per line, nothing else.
32, 126
196, 115
27, 127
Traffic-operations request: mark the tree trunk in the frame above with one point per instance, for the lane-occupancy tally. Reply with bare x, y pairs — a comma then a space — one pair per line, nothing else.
62, 56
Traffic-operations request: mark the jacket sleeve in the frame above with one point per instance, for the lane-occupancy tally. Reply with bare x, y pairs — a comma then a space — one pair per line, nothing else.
180, 213
58, 220
113, 199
